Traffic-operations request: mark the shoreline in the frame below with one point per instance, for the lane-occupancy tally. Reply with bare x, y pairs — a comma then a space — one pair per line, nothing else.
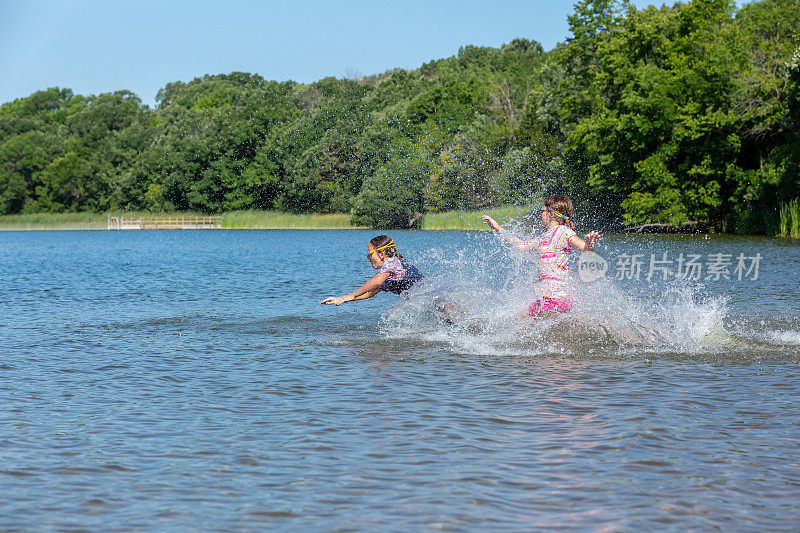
273, 220
253, 220
231, 220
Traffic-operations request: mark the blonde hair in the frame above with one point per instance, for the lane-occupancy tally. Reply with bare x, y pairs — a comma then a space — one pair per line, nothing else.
562, 206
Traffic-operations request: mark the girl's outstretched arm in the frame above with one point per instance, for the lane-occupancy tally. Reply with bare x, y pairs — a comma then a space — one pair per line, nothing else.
509, 238
367, 290
587, 243
366, 295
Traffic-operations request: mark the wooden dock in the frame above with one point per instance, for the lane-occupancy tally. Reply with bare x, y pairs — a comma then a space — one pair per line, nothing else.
165, 222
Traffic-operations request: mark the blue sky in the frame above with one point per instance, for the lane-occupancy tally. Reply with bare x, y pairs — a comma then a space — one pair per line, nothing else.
93, 46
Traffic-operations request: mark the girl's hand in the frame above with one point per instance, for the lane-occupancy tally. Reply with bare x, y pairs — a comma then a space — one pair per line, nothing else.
489, 221
333, 300
592, 237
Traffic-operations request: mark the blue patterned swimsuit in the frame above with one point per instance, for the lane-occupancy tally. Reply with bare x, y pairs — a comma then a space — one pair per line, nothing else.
403, 275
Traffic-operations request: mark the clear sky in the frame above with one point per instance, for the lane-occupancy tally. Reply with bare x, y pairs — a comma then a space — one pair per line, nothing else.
94, 46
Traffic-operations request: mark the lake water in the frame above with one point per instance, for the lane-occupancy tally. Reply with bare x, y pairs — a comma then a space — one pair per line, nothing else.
173, 380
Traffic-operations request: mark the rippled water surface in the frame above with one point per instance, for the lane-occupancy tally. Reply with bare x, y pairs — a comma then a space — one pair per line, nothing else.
191, 380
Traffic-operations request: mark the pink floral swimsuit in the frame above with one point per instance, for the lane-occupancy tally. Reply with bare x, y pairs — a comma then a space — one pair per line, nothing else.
554, 277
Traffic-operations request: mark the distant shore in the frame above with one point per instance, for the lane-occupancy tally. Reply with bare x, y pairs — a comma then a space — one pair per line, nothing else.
450, 220
258, 220
232, 220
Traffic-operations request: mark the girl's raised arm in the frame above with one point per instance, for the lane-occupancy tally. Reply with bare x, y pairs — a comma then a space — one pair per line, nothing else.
587, 243
509, 238
367, 290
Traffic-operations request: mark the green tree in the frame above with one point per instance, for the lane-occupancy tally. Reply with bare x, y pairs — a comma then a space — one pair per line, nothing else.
393, 196
23, 159
765, 169
663, 132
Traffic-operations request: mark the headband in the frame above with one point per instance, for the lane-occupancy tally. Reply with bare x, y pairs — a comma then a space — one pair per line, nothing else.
556, 213
391, 243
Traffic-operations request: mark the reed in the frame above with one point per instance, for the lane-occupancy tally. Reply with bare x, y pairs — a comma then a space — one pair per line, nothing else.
280, 220
471, 220
72, 221
54, 221
789, 225
255, 219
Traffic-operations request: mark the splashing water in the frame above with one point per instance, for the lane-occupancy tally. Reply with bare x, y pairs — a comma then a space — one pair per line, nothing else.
478, 301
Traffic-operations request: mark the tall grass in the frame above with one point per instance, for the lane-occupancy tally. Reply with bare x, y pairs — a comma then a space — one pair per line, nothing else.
471, 220
54, 221
72, 221
789, 225
462, 220
280, 220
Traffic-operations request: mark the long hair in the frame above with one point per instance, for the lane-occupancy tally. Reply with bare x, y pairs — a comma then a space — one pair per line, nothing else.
381, 241
562, 205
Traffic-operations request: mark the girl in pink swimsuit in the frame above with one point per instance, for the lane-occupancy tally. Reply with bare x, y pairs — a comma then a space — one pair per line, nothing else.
553, 247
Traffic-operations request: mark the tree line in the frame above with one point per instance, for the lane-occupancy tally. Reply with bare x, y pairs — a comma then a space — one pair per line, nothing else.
664, 114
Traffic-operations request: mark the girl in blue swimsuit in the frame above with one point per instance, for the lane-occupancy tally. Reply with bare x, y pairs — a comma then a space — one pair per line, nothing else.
395, 274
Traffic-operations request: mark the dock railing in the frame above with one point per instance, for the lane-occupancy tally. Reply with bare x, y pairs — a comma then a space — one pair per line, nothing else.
164, 222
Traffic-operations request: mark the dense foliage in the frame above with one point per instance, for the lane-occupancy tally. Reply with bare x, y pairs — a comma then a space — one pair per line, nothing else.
670, 114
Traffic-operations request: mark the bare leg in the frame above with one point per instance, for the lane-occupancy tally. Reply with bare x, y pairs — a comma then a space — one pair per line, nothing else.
451, 312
